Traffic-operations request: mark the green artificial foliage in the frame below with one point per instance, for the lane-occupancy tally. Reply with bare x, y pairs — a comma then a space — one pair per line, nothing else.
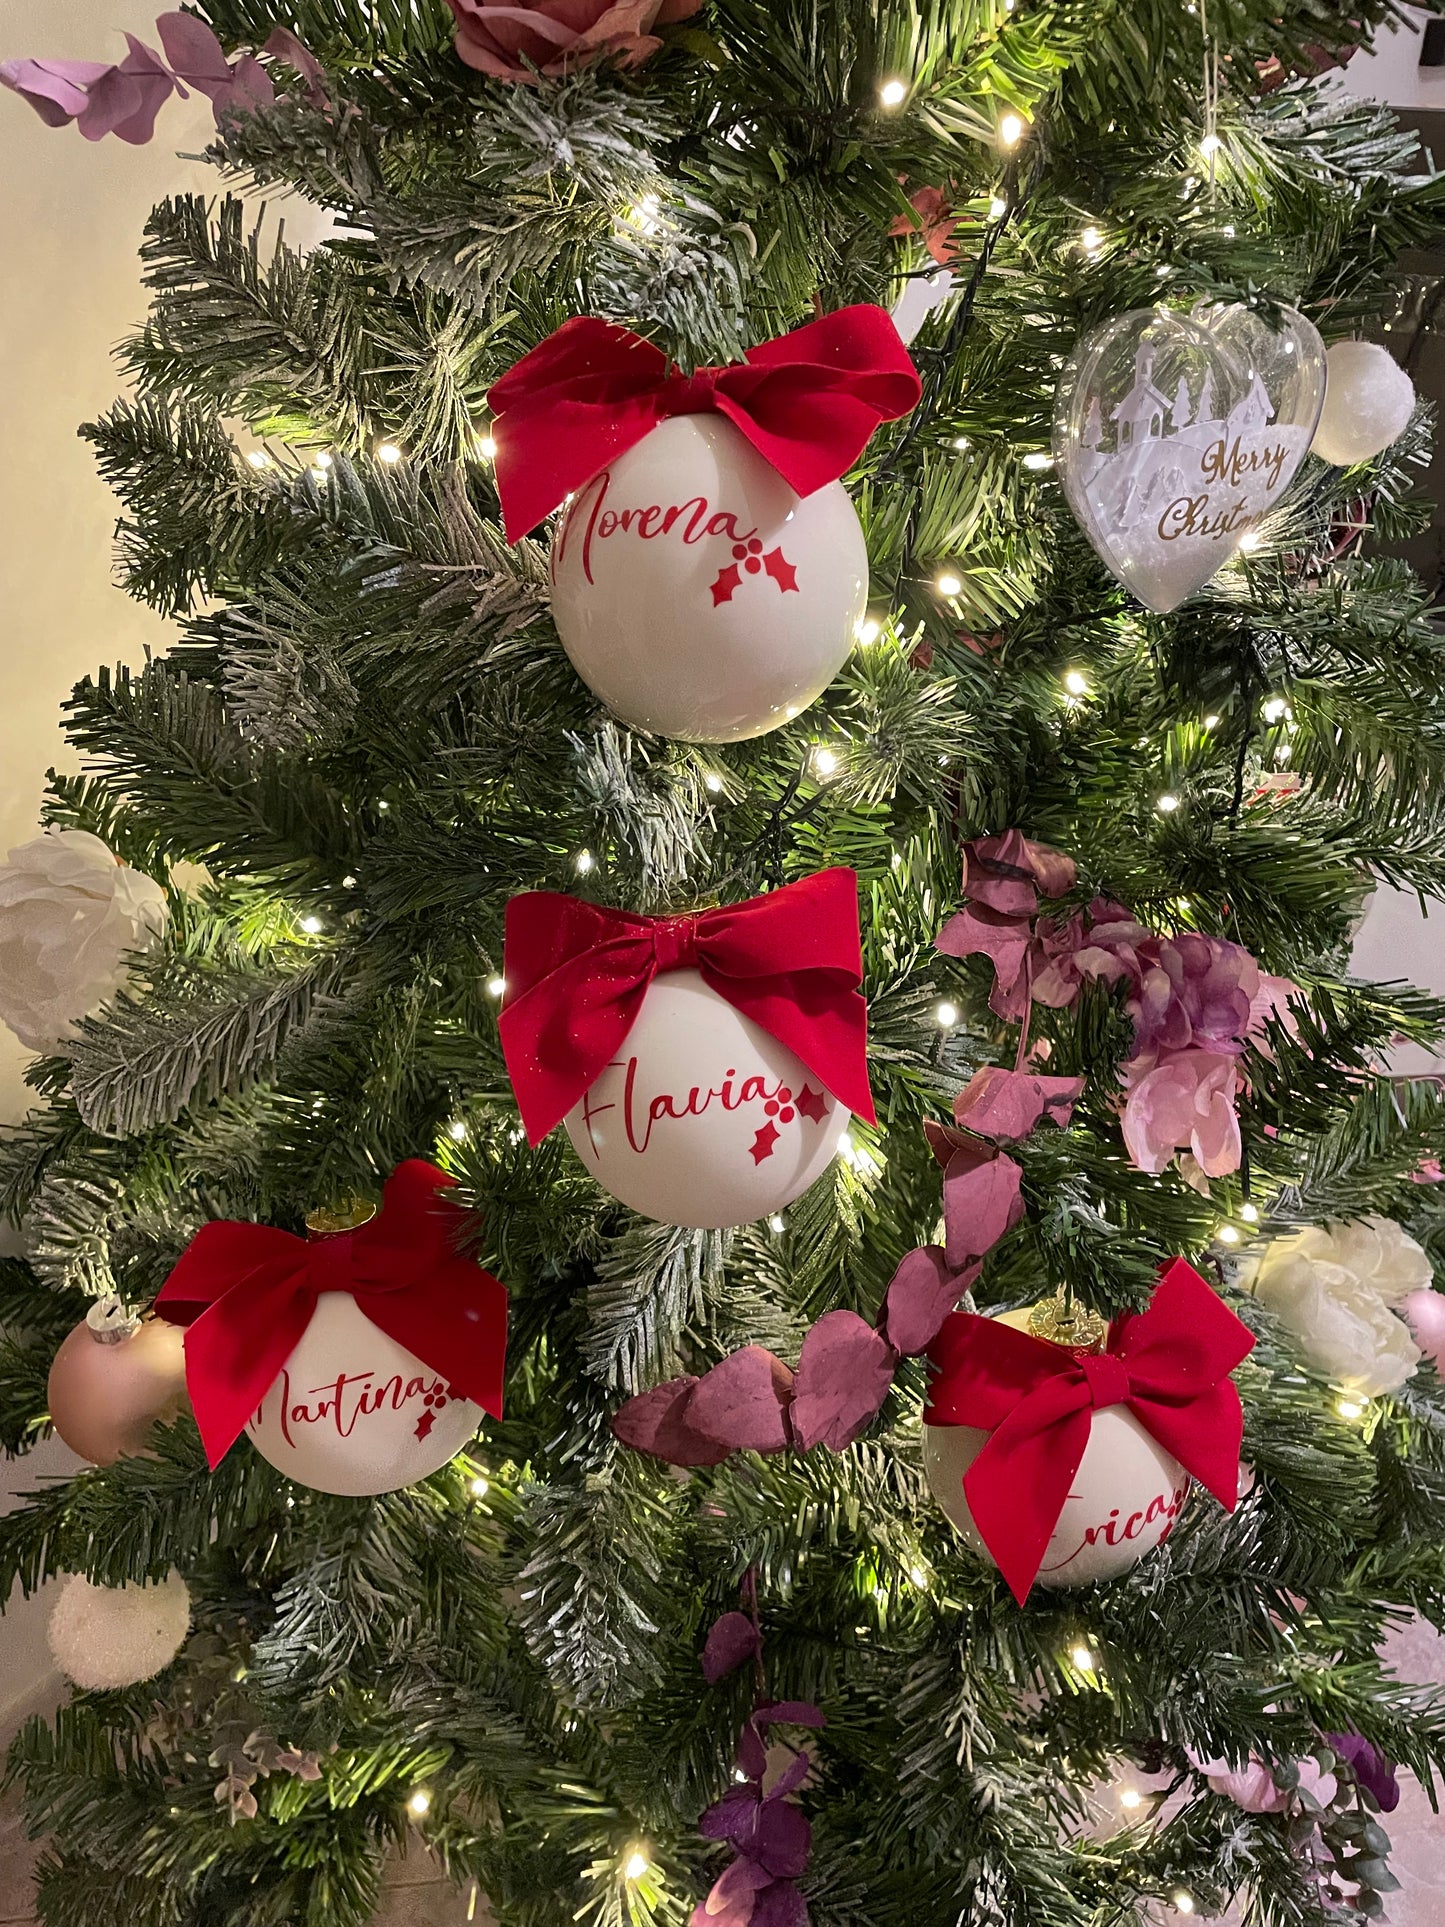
367, 737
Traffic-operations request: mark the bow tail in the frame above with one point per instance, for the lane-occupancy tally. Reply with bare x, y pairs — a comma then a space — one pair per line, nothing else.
1205, 1435
1017, 1486
235, 1351
456, 1326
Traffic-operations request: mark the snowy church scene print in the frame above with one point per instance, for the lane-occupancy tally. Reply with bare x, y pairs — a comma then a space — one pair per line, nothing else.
1173, 464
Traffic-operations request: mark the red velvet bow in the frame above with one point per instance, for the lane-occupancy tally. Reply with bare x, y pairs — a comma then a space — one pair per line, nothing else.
576, 976
1170, 1365
807, 402
247, 1292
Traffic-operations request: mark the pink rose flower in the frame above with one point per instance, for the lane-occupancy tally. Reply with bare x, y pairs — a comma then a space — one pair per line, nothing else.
1184, 1104
559, 36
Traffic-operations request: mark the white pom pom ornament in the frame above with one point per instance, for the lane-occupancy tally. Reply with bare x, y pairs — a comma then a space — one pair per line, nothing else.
354, 1412
697, 594
1369, 400
105, 1637
704, 1119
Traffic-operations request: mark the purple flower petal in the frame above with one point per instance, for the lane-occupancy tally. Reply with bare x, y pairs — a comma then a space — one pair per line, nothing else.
734, 1639
780, 1905
781, 1838
733, 1817
1370, 1767
845, 1372
789, 1713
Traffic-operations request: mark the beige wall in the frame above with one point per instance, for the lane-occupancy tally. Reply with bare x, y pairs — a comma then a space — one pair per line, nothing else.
70, 224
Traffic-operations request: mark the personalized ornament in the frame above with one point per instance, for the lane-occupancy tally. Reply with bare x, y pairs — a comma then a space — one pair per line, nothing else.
113, 1378
357, 1361
1177, 436
709, 573
705, 1065
1065, 1459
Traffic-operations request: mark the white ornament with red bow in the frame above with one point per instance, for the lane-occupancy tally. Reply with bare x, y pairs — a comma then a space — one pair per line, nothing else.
697, 594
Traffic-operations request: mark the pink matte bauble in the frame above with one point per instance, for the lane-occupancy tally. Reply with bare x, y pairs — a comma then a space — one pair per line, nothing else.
1425, 1314
105, 1397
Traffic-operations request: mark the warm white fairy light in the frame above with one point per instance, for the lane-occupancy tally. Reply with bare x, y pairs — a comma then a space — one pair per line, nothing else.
1165, 804
496, 986
1011, 130
946, 1015
1082, 1658
583, 862
712, 783
1349, 1408
1250, 542
1038, 460
457, 1130
997, 208
419, 1803
636, 1866
1183, 1902
348, 883
893, 93
1076, 682
776, 1225
960, 442
1131, 1798
825, 761
1091, 240
1211, 722
918, 1577
480, 1487
389, 453
1275, 708
1250, 1213
258, 458
1228, 1234
948, 585
1210, 145
487, 448
312, 926
1163, 271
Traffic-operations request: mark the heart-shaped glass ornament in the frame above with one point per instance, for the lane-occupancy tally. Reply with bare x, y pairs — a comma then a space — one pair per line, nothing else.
1177, 435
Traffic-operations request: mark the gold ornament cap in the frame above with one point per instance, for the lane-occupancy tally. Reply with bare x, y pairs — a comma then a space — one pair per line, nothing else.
329, 1221
1063, 1322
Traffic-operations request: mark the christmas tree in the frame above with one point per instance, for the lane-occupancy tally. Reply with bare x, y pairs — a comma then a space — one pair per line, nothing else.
672, 1624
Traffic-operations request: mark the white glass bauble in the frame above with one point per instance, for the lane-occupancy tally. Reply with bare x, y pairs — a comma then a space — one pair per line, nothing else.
354, 1412
1124, 1499
704, 1119
697, 594
105, 1637
1369, 400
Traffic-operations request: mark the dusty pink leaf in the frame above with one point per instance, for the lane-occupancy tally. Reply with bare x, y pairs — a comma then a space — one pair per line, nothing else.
58, 90
1054, 872
981, 1201
657, 1422
196, 56
742, 1403
976, 931
1004, 1104
789, 1713
844, 1374
998, 875
733, 1639
924, 1290
283, 45
942, 1141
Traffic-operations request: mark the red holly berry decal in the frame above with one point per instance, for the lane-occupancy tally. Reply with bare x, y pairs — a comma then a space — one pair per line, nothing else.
748, 558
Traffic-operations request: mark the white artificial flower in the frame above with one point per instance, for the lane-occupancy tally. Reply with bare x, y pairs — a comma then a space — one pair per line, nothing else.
70, 913
1333, 1286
